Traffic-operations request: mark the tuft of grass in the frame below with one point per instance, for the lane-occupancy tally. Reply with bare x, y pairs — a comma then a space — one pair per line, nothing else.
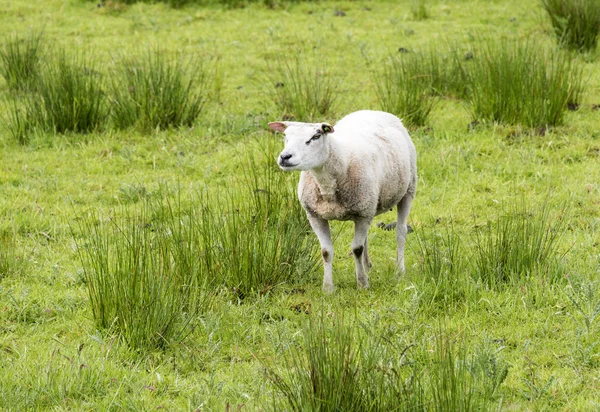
404, 86
155, 91
418, 10
518, 82
343, 367
300, 88
21, 58
144, 278
259, 237
69, 96
576, 23
521, 242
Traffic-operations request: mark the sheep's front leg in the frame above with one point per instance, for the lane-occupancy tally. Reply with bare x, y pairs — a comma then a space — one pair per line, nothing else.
402, 229
321, 229
361, 230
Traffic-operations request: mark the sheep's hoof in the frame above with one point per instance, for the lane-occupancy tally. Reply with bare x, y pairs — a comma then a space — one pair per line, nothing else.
362, 283
328, 288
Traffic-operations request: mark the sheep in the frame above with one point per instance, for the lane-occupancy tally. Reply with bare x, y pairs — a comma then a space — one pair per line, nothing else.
363, 167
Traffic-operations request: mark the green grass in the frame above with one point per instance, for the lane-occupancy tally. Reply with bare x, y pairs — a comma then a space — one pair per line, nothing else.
158, 91
404, 85
451, 331
301, 87
518, 82
21, 58
576, 23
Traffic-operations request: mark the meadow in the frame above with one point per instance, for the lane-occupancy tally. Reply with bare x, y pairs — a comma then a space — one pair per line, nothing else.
153, 255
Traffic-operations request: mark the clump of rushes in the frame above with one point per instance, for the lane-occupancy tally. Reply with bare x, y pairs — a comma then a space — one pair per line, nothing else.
300, 88
259, 237
516, 82
70, 96
404, 86
520, 243
342, 367
144, 278
418, 9
157, 91
576, 23
20, 60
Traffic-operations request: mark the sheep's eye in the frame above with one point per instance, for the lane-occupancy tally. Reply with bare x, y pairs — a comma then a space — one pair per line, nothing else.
315, 137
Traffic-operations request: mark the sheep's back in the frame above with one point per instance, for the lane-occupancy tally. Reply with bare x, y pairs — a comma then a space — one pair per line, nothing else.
379, 145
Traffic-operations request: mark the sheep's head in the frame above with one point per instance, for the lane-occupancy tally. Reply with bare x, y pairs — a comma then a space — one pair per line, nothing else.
306, 145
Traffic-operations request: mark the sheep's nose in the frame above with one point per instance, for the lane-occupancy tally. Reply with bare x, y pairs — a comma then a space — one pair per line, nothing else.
285, 156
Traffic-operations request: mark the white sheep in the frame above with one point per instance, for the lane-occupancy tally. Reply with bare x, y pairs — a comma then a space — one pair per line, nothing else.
364, 167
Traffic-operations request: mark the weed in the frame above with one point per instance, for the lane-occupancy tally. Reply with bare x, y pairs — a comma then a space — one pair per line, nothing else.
300, 88
520, 243
585, 298
21, 58
576, 23
518, 82
156, 92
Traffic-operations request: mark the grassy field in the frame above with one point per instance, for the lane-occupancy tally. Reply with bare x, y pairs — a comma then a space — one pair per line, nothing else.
144, 266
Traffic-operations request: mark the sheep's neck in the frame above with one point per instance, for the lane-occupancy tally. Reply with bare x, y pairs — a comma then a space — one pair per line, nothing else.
327, 177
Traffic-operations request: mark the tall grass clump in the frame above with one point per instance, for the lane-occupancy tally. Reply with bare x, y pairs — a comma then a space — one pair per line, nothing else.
70, 96
518, 82
576, 23
344, 367
20, 59
158, 91
418, 9
300, 88
522, 242
258, 237
144, 278
404, 86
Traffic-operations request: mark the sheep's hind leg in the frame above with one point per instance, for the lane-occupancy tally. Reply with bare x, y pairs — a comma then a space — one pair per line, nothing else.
361, 230
402, 229
321, 229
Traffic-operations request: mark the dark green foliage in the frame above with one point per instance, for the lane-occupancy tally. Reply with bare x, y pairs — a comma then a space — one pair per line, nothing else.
520, 243
576, 23
156, 91
20, 60
300, 88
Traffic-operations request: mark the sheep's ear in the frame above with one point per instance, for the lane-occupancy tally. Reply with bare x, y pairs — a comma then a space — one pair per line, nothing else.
277, 126
327, 128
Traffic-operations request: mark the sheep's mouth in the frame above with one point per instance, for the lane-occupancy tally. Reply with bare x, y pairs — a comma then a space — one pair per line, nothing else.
286, 165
